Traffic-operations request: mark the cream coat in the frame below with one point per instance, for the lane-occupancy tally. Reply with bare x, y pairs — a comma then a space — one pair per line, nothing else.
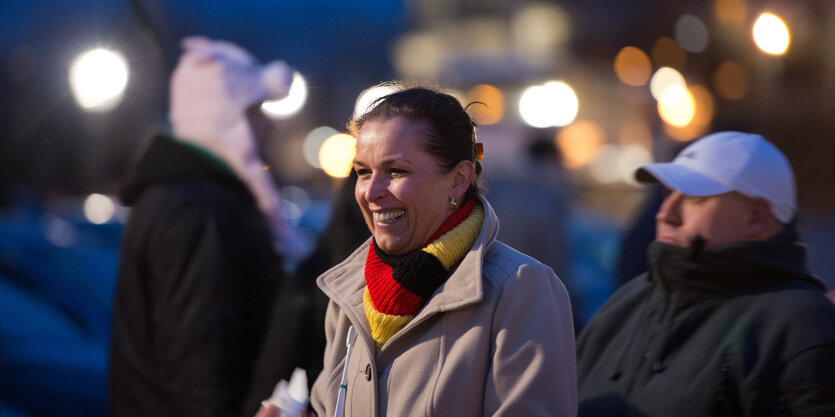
496, 339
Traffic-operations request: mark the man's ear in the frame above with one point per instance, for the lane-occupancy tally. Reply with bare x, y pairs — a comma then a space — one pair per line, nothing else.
761, 221
462, 176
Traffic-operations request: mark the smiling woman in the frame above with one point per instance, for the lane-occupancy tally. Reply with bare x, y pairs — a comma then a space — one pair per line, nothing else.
440, 309
404, 195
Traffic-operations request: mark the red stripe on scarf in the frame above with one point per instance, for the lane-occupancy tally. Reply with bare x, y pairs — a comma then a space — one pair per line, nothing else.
388, 296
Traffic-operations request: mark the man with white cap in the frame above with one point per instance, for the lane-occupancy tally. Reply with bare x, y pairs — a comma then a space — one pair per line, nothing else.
728, 320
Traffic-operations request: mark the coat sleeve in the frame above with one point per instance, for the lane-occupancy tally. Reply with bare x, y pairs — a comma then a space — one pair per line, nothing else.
203, 339
533, 371
807, 383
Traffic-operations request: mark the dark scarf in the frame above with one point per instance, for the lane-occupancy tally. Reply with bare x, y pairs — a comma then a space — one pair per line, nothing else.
731, 269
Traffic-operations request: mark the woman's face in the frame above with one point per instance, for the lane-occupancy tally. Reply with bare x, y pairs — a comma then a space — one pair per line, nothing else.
402, 191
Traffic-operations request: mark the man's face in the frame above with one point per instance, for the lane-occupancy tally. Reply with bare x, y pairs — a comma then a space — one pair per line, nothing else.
720, 219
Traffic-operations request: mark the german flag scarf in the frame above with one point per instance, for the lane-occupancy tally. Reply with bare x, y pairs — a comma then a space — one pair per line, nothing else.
397, 287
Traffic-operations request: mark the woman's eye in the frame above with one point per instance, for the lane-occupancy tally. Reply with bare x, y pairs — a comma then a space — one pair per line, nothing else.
397, 172
363, 171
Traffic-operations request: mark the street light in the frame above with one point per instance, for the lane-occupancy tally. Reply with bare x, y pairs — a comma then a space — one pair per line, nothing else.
290, 105
771, 34
551, 104
98, 79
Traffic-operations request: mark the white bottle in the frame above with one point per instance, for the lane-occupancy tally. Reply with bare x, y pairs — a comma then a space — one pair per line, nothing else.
292, 398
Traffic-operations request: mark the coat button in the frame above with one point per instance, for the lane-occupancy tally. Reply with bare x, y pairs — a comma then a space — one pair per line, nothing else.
368, 372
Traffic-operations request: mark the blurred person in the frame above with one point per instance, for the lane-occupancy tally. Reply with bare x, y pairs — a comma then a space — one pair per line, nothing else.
296, 331
539, 181
201, 256
446, 320
728, 320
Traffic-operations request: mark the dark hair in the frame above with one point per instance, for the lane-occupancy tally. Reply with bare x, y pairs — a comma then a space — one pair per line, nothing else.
450, 132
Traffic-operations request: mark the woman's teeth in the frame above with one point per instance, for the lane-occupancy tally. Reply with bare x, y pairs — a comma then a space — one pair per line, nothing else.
388, 216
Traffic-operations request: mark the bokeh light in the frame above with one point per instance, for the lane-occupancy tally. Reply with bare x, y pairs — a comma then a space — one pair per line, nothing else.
579, 142
702, 119
336, 157
551, 104
290, 105
540, 27
98, 79
685, 133
492, 109
667, 53
369, 96
771, 34
294, 202
730, 11
731, 81
59, 232
664, 79
691, 34
313, 143
605, 167
99, 208
632, 66
705, 105
419, 54
677, 106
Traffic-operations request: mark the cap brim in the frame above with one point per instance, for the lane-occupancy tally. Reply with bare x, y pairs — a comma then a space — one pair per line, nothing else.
680, 178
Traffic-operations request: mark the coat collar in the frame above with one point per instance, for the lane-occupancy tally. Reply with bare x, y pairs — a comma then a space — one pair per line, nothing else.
345, 282
164, 158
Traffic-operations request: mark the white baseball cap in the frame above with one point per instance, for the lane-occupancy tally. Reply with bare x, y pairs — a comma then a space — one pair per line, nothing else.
729, 161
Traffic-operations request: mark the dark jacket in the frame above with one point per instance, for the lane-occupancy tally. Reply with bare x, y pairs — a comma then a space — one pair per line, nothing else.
197, 278
743, 330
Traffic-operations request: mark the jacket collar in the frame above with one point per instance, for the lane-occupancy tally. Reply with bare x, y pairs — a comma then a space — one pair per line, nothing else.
164, 158
345, 282
735, 268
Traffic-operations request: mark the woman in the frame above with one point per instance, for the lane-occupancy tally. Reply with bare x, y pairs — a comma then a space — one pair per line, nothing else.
443, 319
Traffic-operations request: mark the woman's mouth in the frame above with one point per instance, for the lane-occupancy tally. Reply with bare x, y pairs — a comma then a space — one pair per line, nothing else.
388, 216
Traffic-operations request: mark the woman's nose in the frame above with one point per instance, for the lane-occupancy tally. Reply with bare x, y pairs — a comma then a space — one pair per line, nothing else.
375, 188
670, 210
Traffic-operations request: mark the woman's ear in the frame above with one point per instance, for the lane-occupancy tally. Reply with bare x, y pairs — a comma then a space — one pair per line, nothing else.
462, 176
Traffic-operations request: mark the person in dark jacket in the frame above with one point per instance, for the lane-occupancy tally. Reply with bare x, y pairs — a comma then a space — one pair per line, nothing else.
728, 321
201, 256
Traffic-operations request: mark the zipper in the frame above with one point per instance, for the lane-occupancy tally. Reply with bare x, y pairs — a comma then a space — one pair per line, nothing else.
343, 386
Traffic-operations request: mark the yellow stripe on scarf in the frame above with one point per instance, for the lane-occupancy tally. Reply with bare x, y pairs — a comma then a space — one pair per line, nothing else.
383, 326
451, 247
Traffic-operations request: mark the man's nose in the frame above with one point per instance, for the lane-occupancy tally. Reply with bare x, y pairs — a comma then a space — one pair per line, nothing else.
670, 211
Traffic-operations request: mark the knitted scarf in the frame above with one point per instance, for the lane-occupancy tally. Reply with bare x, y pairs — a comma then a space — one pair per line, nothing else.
397, 287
